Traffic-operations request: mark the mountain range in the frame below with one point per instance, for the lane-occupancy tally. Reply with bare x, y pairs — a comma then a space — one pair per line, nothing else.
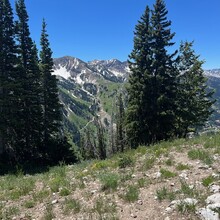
88, 90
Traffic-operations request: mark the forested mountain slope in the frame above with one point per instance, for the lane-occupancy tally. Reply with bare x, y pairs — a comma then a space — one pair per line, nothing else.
89, 89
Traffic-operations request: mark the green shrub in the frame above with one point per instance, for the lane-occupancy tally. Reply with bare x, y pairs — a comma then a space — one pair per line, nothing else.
64, 192
109, 181
202, 155
71, 205
148, 163
208, 180
161, 193
54, 184
141, 182
185, 207
188, 190
160, 151
169, 162
29, 204
49, 214
164, 193
126, 161
103, 206
9, 212
57, 182
181, 167
166, 173
41, 195
132, 194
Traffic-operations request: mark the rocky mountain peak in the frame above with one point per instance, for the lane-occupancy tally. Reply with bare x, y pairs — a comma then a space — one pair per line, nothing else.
213, 73
84, 72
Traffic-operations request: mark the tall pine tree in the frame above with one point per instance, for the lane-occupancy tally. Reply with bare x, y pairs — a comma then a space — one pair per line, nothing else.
139, 87
52, 116
194, 97
120, 130
8, 79
164, 75
152, 87
30, 97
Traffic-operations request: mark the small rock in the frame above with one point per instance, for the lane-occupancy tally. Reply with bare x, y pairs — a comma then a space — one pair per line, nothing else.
208, 214
172, 184
167, 218
215, 157
14, 218
173, 203
157, 175
188, 201
93, 191
198, 183
168, 210
133, 175
203, 167
215, 198
133, 215
54, 194
85, 178
191, 186
54, 202
62, 200
214, 188
214, 206
184, 176
215, 175
140, 202
22, 216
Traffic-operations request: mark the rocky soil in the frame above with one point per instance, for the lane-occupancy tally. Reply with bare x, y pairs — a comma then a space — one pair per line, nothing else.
168, 181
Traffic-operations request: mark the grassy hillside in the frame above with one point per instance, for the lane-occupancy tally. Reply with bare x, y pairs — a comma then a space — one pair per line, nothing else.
142, 184
108, 93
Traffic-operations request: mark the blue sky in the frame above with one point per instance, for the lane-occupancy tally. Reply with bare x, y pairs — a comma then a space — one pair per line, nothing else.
103, 29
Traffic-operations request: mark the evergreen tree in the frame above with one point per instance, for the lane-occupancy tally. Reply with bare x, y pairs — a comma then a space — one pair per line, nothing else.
164, 74
139, 80
8, 79
101, 143
52, 116
111, 139
194, 99
120, 130
30, 111
87, 146
152, 87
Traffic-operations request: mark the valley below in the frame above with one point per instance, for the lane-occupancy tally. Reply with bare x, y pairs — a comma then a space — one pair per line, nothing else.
89, 90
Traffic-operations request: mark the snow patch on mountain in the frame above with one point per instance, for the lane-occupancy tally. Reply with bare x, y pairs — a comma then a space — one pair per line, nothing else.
78, 79
75, 64
213, 73
117, 73
61, 71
